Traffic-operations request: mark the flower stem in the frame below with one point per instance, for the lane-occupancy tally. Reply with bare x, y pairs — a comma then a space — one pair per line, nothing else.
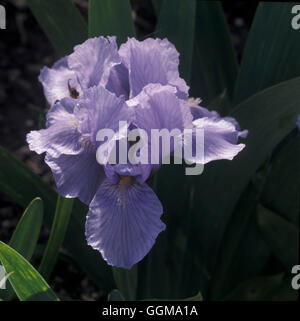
126, 281
58, 230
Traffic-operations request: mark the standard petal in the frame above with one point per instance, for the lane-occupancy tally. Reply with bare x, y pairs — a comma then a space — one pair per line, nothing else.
152, 61
123, 222
58, 80
61, 136
93, 60
118, 81
76, 175
158, 107
220, 139
99, 109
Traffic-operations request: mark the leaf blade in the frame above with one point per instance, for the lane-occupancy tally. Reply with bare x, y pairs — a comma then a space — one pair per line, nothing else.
59, 227
214, 67
26, 281
281, 235
271, 52
25, 236
271, 115
22, 185
61, 22
111, 18
281, 191
176, 21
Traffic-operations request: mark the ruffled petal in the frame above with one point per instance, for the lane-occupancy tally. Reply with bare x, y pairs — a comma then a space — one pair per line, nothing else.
61, 112
58, 80
99, 109
220, 140
152, 61
93, 60
61, 136
200, 112
76, 175
123, 222
158, 107
118, 81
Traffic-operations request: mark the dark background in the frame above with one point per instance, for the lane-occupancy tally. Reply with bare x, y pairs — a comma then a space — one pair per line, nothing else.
24, 50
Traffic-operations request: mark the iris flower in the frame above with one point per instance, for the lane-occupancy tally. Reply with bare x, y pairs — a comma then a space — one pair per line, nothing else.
94, 88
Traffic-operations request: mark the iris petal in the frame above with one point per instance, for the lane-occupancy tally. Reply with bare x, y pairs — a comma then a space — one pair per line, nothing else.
158, 107
118, 81
220, 139
55, 81
152, 61
77, 175
62, 136
123, 222
93, 60
99, 109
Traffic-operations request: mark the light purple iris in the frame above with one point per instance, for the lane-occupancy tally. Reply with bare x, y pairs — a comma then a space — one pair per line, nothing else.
298, 122
96, 87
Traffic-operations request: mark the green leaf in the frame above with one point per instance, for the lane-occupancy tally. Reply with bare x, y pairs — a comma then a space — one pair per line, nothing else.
126, 281
214, 65
157, 5
243, 252
62, 23
269, 116
272, 50
161, 272
281, 235
177, 22
22, 185
220, 103
59, 227
281, 191
264, 288
198, 209
26, 281
115, 295
111, 18
26, 234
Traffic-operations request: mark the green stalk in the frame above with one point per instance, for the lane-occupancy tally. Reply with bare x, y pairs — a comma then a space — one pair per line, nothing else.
126, 281
58, 230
